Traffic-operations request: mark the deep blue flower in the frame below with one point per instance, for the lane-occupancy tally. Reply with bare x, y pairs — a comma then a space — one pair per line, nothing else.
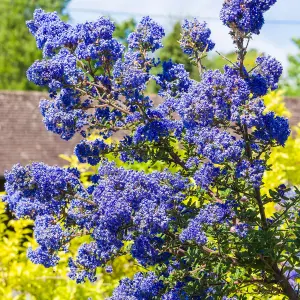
65, 122
252, 172
148, 35
245, 15
269, 68
90, 151
43, 256
210, 214
273, 128
143, 286
38, 189
206, 175
195, 37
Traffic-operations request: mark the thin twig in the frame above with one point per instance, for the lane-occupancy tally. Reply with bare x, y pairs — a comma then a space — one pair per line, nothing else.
227, 59
106, 102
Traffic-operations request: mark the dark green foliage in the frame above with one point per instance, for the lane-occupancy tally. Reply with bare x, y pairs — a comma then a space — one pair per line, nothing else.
293, 86
17, 46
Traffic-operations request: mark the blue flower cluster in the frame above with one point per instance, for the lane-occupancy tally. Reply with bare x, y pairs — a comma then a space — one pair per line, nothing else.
51, 33
252, 172
47, 232
128, 199
270, 69
121, 202
41, 193
43, 257
73, 55
273, 128
245, 15
147, 36
38, 189
47, 29
148, 286
206, 175
241, 230
63, 47
60, 70
218, 213
90, 151
154, 130
104, 52
195, 37
51, 238
145, 250
61, 120
141, 287
129, 76
174, 79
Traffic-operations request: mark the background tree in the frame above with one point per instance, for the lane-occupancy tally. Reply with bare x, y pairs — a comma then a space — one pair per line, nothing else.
17, 46
293, 84
123, 29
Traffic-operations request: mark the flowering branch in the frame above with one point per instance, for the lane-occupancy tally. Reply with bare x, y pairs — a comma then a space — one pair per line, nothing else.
193, 224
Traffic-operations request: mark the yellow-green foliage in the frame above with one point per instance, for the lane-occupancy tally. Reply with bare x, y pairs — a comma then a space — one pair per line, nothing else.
21, 279
285, 161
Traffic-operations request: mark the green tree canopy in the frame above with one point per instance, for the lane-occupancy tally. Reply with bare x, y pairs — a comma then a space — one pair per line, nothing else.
17, 46
293, 84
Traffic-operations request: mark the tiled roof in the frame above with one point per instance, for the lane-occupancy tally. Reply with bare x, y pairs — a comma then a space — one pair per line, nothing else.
293, 105
23, 137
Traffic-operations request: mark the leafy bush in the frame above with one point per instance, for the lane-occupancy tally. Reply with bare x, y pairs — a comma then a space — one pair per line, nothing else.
199, 227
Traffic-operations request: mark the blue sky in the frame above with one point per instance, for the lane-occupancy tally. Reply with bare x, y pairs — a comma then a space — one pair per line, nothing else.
275, 38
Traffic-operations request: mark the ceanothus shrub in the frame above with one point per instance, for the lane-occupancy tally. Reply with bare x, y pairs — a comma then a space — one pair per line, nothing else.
202, 229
